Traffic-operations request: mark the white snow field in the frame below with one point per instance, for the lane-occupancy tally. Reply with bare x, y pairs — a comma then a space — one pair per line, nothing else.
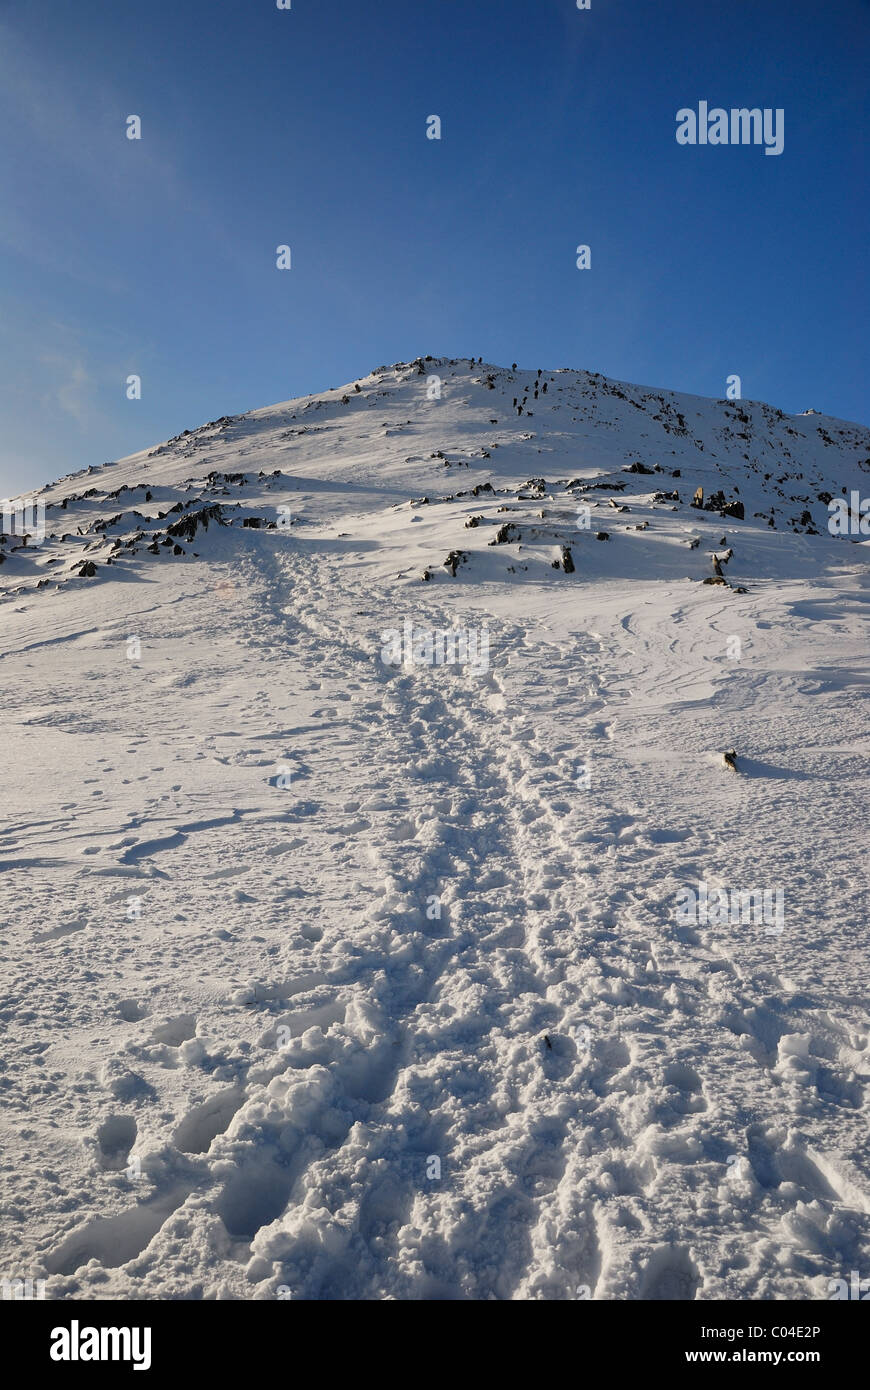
330, 978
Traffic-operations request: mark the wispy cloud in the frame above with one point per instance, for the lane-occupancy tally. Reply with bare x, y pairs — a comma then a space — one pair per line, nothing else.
74, 392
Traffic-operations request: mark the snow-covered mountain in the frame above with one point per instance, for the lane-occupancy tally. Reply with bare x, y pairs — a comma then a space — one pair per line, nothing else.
382, 916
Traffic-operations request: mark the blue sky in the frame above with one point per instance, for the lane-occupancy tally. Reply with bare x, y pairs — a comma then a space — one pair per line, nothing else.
307, 127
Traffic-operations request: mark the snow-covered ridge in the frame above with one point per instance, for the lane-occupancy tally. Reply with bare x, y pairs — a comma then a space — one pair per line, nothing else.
568, 430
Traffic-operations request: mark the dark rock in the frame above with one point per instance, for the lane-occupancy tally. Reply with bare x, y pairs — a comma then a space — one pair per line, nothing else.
454, 559
187, 526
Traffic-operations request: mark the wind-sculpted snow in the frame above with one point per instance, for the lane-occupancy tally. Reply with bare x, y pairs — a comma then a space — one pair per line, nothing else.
383, 917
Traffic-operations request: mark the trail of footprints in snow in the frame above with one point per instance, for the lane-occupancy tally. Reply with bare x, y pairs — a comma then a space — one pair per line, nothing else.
436, 714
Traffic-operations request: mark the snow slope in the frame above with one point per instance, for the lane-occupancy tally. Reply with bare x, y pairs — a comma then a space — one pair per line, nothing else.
330, 978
